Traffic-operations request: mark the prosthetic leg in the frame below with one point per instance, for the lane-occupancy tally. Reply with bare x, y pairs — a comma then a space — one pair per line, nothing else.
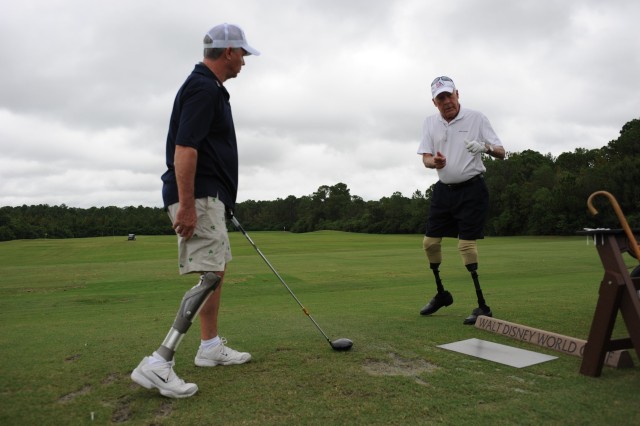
191, 304
433, 250
469, 252
436, 273
473, 268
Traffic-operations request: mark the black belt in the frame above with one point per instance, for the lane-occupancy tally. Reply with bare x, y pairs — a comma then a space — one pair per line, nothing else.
465, 183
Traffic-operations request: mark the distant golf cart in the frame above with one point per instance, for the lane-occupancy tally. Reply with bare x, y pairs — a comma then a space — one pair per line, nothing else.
131, 237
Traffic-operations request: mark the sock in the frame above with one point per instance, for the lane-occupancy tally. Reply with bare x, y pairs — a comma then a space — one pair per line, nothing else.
156, 359
205, 344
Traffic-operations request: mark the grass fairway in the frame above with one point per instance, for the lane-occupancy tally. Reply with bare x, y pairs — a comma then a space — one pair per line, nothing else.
78, 315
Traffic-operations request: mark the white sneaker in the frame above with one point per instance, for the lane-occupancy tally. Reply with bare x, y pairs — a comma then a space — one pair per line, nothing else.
162, 377
220, 355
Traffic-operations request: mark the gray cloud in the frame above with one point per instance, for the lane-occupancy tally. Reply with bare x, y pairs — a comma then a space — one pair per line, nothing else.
338, 95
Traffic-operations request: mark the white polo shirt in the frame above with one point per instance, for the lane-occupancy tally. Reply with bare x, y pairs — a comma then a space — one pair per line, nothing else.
449, 139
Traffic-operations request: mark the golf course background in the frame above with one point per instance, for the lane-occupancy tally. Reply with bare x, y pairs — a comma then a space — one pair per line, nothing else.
78, 315
531, 194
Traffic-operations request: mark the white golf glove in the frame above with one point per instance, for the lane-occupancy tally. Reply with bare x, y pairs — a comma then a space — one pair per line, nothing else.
475, 147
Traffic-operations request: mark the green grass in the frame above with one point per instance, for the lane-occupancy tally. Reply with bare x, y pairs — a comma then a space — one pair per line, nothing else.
78, 315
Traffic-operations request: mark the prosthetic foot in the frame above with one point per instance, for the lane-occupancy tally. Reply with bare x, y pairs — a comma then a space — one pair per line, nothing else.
471, 319
442, 298
439, 300
482, 308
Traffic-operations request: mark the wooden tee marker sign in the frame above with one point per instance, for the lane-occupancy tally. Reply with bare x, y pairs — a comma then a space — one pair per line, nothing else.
618, 292
554, 341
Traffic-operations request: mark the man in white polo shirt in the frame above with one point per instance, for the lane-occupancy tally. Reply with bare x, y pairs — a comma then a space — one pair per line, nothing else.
453, 142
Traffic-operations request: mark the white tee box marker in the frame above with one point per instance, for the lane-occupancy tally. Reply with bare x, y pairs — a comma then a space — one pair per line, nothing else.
503, 354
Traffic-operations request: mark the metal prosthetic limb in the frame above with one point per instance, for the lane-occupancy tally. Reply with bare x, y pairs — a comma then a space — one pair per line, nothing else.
191, 304
473, 267
469, 251
436, 273
433, 249
442, 298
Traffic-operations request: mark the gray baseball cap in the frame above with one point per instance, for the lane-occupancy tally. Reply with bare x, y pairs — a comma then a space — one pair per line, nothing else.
229, 35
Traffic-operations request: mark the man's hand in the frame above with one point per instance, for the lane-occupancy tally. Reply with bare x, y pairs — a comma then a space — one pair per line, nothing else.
439, 160
186, 219
475, 147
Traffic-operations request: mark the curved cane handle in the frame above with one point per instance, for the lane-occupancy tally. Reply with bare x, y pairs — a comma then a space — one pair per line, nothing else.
621, 218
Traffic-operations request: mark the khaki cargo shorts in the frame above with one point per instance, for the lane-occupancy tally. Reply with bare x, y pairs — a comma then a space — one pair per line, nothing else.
208, 250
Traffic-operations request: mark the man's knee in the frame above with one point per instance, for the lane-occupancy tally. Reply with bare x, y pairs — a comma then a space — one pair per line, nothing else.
468, 250
194, 299
433, 248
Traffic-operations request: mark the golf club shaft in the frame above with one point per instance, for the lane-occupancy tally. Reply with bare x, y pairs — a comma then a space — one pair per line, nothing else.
241, 229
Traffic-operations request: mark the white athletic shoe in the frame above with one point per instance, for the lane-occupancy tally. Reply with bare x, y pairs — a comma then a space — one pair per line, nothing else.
162, 377
220, 355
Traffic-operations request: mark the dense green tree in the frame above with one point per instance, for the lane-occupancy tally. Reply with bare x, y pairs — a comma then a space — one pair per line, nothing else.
530, 194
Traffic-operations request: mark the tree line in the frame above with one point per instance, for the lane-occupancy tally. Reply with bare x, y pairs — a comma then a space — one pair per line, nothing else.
530, 194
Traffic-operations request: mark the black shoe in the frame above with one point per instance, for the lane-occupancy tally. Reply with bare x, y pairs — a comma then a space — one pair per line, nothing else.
439, 300
471, 319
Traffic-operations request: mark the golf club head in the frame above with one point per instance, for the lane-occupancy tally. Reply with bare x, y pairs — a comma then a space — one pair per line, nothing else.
341, 344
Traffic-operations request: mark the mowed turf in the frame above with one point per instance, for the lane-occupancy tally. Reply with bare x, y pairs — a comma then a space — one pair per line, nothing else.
78, 315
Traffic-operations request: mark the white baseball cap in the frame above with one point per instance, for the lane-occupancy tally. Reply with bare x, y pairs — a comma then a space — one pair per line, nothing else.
442, 84
229, 35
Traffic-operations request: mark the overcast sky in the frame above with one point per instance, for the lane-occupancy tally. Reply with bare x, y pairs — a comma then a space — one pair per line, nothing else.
339, 93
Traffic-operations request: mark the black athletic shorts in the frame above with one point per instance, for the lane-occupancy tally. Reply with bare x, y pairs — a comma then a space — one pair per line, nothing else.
459, 210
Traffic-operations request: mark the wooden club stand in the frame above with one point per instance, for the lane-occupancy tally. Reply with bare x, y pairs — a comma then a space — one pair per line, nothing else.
618, 292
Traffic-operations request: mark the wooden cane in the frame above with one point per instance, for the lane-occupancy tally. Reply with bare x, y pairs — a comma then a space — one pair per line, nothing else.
621, 218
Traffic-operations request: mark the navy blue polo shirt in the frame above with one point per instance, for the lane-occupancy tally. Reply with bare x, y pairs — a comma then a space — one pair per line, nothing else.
201, 119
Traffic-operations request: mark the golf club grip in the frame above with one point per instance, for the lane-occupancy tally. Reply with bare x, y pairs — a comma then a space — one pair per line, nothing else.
241, 229
237, 224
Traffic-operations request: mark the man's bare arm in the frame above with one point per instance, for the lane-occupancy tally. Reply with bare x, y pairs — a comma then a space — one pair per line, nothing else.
184, 162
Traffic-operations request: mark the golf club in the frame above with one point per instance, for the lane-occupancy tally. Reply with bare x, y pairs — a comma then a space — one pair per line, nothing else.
338, 344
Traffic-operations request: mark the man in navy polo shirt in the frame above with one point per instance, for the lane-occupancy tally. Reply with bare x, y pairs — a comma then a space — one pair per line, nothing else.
200, 184
453, 142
